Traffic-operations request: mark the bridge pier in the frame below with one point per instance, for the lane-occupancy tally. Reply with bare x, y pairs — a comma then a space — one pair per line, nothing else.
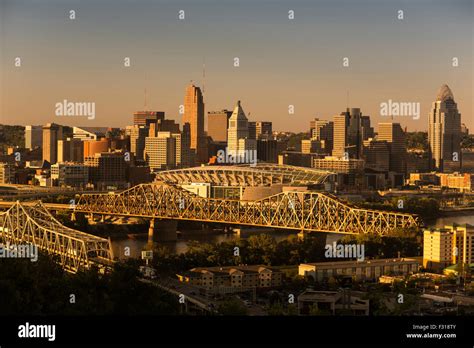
302, 235
162, 230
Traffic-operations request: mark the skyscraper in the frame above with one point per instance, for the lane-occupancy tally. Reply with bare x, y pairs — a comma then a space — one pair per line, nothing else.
350, 129
51, 134
33, 136
323, 131
137, 140
394, 135
217, 123
260, 130
144, 118
194, 115
160, 151
444, 132
238, 141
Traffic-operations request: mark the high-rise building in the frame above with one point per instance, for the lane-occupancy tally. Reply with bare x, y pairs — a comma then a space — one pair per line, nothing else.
51, 134
260, 130
7, 173
323, 131
194, 115
238, 141
33, 137
137, 140
377, 154
89, 133
394, 135
367, 130
263, 129
252, 130
267, 150
70, 150
69, 174
350, 129
107, 169
217, 123
92, 147
444, 132
160, 151
310, 146
144, 118
449, 245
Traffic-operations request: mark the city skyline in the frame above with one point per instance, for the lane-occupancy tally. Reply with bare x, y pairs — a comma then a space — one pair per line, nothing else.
268, 80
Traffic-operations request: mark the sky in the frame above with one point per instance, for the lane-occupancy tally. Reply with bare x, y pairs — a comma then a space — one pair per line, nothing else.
282, 61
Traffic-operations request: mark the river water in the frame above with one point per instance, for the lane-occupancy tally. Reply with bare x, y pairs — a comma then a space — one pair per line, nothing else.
137, 243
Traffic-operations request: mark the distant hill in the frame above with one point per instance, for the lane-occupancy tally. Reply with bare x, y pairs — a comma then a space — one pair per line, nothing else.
11, 136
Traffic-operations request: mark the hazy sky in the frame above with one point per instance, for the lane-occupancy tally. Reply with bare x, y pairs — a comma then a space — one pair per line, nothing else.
282, 61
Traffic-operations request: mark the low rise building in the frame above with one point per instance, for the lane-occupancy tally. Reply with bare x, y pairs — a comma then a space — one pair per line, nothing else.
369, 270
7, 173
447, 246
69, 174
255, 276
332, 303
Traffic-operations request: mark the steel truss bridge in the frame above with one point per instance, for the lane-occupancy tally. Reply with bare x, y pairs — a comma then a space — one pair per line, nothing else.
33, 224
306, 211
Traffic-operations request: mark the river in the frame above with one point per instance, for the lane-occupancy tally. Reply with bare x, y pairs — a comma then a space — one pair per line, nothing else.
139, 242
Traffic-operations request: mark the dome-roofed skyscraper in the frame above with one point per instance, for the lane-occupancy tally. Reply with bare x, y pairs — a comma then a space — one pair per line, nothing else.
444, 132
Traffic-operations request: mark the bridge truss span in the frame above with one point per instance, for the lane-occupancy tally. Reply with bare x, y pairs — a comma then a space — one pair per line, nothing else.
300, 210
34, 224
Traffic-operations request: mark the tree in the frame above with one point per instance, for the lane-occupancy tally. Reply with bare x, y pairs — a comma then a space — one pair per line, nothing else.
232, 306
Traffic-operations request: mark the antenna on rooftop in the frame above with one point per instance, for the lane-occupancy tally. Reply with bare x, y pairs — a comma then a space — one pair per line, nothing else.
203, 75
146, 107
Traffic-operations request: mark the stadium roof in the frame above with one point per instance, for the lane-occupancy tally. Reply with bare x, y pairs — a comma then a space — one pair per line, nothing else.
261, 174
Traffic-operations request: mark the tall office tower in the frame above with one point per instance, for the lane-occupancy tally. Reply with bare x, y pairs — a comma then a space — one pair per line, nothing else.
160, 151
137, 140
217, 123
377, 154
396, 138
144, 118
260, 130
323, 131
194, 115
51, 134
107, 169
252, 130
263, 130
167, 126
367, 130
349, 134
267, 150
70, 150
444, 132
238, 140
187, 160
33, 137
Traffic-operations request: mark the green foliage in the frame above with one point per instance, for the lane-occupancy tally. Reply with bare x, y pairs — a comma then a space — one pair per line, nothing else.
232, 306
427, 208
375, 246
417, 140
43, 288
294, 140
259, 249
11, 136
467, 141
